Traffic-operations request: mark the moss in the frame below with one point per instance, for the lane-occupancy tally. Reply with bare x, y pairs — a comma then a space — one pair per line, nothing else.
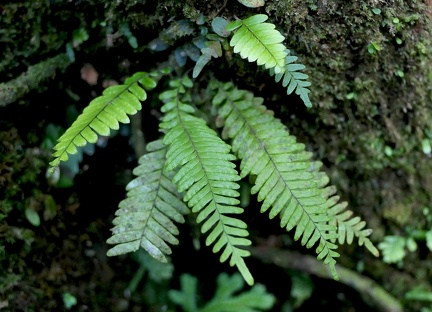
20, 171
13, 90
385, 85
372, 107
31, 30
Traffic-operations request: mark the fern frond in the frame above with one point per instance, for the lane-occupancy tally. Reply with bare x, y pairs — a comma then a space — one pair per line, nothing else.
293, 79
259, 41
228, 296
145, 218
281, 166
206, 175
255, 299
103, 114
348, 226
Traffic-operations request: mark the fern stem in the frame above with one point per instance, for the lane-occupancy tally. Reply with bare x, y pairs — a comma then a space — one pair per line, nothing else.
138, 137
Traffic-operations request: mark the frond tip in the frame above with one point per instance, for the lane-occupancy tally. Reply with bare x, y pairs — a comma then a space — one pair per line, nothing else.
347, 225
103, 114
259, 41
293, 79
145, 218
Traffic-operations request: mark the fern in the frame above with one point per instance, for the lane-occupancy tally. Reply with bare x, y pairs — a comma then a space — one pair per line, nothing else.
293, 79
193, 165
259, 41
348, 226
158, 271
103, 114
225, 298
145, 218
281, 167
206, 174
393, 248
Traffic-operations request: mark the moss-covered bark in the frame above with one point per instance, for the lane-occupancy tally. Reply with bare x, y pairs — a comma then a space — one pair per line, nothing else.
16, 88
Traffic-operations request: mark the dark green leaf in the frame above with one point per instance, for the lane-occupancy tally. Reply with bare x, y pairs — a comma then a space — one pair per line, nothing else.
252, 3
219, 25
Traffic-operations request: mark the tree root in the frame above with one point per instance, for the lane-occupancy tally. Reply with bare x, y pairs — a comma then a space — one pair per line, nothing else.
367, 288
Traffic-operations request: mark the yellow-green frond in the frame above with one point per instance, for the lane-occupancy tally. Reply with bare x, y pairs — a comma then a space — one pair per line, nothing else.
259, 41
103, 114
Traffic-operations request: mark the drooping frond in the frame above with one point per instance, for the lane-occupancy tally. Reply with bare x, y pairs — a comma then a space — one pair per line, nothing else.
348, 226
281, 166
259, 41
293, 79
145, 218
206, 175
103, 114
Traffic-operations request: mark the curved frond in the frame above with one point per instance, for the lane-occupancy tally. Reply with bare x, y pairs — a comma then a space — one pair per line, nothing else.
207, 176
103, 114
283, 182
293, 79
348, 226
145, 218
259, 41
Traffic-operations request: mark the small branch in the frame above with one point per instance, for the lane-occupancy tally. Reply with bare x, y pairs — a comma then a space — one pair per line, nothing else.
220, 9
364, 285
16, 88
138, 138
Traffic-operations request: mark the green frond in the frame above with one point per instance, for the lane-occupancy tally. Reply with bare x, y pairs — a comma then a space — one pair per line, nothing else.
259, 41
348, 227
145, 218
103, 114
283, 182
229, 295
293, 79
207, 176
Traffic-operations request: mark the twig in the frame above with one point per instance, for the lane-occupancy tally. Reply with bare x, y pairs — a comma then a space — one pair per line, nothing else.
16, 88
221, 8
138, 139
